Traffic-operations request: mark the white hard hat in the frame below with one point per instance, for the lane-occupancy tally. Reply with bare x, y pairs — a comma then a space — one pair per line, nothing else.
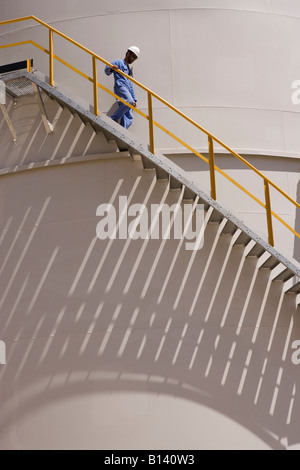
135, 50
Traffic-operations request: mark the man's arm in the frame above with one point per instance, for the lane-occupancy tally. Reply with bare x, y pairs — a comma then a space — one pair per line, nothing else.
109, 70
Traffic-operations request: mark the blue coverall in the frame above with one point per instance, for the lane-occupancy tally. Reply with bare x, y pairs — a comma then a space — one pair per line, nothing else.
123, 88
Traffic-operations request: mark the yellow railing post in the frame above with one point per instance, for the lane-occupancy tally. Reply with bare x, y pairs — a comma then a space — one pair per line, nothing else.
150, 115
28, 65
268, 212
51, 57
95, 85
213, 192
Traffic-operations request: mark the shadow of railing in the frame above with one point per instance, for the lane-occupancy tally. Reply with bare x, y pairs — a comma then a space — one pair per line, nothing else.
79, 314
71, 137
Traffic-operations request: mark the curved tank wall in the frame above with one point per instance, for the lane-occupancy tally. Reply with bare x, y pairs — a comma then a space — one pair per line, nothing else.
134, 343
228, 65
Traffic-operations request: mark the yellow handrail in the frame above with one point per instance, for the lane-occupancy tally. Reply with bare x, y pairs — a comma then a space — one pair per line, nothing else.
211, 138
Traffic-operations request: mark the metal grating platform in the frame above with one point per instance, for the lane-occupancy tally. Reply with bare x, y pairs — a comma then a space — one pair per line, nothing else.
19, 87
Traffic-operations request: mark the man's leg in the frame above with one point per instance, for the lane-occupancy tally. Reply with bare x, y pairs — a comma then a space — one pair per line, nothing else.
127, 118
123, 109
119, 113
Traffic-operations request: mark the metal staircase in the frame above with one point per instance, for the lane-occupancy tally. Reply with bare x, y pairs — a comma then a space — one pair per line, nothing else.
22, 82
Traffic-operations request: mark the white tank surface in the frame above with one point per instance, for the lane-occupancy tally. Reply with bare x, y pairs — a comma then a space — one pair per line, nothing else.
228, 65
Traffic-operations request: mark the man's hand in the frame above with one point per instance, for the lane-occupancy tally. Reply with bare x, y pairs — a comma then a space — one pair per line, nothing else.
115, 68
134, 104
